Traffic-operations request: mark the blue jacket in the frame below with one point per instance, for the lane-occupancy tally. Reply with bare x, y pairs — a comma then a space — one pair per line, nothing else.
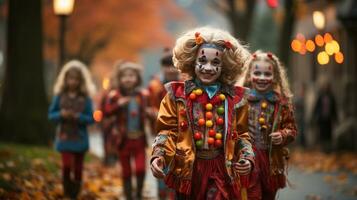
85, 118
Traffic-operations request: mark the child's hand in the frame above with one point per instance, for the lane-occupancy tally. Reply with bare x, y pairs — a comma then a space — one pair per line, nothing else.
66, 114
276, 138
242, 167
156, 167
123, 100
151, 113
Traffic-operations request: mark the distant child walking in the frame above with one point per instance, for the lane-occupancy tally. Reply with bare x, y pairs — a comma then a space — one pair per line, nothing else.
71, 109
128, 103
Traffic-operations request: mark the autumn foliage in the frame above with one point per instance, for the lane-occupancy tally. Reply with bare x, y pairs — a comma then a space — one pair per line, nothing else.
111, 29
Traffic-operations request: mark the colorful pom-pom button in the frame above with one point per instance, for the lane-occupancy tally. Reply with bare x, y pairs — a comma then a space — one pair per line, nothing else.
218, 143
264, 105
210, 141
199, 143
197, 136
209, 123
183, 125
198, 92
192, 96
264, 128
211, 132
222, 97
220, 110
261, 120
209, 106
220, 121
218, 136
201, 122
209, 115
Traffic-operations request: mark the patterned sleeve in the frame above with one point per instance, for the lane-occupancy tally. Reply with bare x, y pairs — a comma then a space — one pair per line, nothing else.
244, 139
166, 124
288, 125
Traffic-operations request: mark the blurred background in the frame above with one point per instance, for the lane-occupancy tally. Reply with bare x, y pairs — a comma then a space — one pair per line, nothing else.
315, 39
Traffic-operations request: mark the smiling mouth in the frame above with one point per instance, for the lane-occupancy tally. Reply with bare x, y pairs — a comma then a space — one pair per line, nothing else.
262, 84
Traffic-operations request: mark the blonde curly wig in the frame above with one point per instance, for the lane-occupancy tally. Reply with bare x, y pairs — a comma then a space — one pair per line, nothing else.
233, 58
280, 81
87, 87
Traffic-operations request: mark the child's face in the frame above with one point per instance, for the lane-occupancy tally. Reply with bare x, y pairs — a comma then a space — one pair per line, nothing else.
128, 79
73, 79
170, 73
208, 65
262, 75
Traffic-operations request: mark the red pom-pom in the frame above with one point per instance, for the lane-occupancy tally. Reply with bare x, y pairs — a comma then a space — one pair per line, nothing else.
197, 34
228, 44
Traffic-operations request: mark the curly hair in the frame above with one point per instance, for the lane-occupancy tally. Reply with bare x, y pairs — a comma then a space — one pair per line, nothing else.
233, 58
280, 81
87, 86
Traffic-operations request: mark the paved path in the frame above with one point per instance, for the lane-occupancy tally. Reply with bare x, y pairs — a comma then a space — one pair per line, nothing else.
309, 186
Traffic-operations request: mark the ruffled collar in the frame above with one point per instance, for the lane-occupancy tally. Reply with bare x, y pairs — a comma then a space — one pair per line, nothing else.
270, 96
190, 85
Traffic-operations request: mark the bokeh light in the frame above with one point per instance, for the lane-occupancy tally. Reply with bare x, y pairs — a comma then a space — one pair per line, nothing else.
319, 40
310, 45
318, 18
98, 115
296, 45
328, 37
323, 58
302, 49
339, 57
105, 83
329, 48
300, 37
335, 46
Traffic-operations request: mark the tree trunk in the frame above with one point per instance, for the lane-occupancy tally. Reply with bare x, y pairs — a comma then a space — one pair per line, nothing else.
23, 111
286, 31
241, 22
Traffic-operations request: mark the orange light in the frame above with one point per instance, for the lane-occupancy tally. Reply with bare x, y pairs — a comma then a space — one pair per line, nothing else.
323, 58
106, 83
339, 57
296, 45
328, 37
98, 115
310, 45
302, 49
319, 40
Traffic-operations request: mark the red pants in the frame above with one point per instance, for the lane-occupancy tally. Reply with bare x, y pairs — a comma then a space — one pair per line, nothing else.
72, 161
210, 180
263, 186
133, 148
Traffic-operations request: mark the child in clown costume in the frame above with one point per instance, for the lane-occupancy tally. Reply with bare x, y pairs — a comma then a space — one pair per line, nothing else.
129, 105
271, 123
203, 138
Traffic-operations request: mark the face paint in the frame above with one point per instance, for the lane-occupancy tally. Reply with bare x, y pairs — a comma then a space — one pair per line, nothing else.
262, 76
208, 65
